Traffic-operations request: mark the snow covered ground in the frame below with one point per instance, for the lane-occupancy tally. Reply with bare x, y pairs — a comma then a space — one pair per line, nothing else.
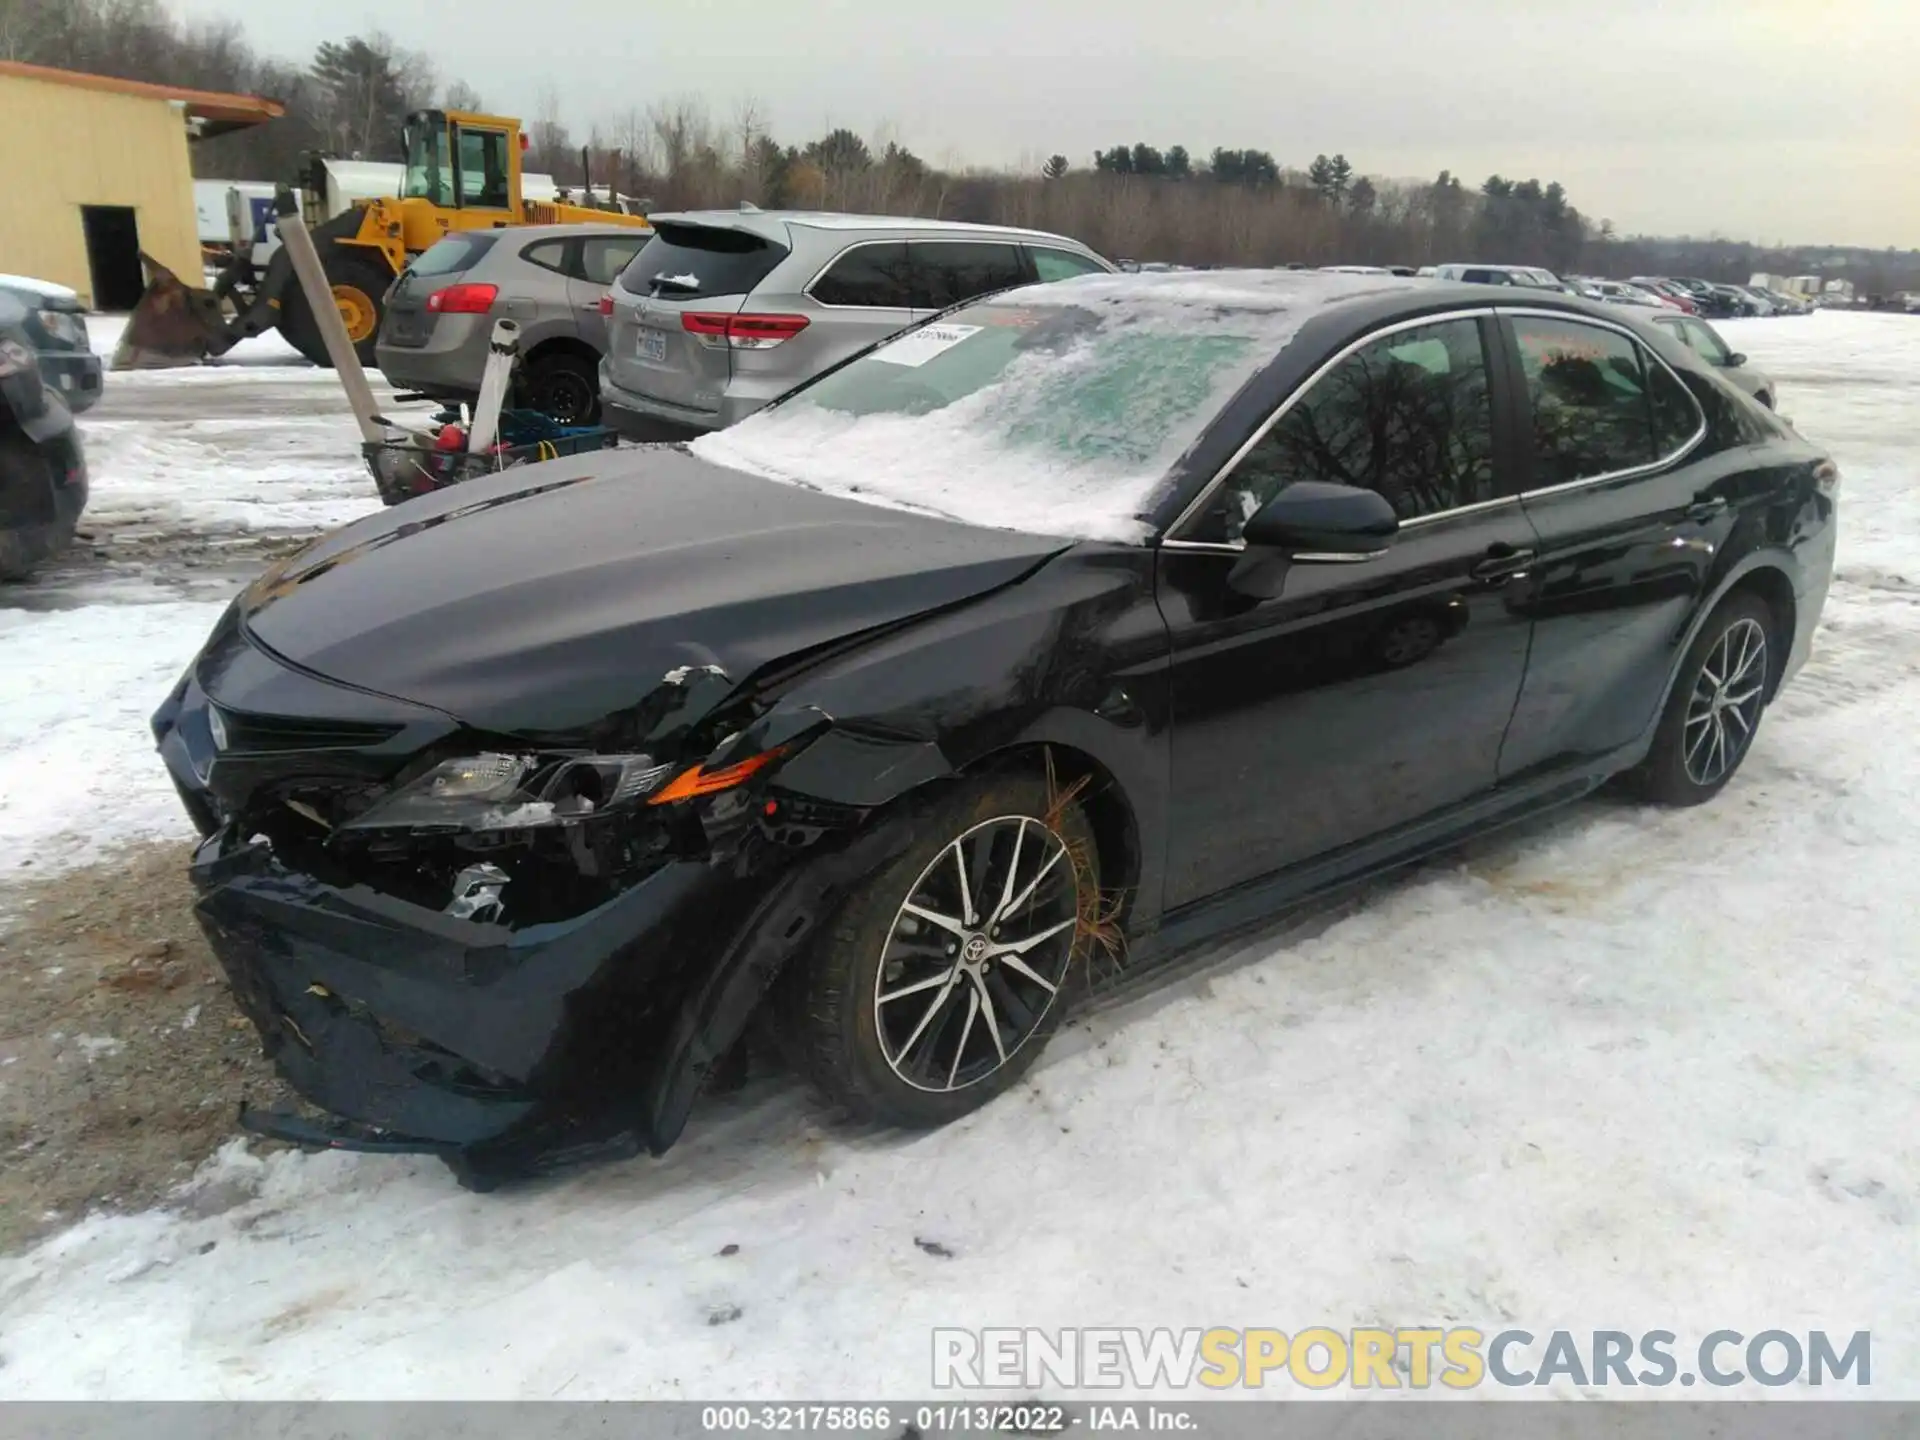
1621, 1068
255, 448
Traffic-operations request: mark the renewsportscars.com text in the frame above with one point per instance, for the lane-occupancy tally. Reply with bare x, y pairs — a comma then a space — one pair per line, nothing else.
1460, 1358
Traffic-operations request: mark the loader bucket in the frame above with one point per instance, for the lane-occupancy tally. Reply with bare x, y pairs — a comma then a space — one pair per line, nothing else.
173, 324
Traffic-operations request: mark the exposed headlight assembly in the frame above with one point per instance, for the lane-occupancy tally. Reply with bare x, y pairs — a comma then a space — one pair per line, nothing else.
514, 792
521, 792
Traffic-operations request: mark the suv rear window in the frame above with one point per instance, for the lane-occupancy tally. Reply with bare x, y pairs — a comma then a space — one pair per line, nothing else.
701, 261
455, 253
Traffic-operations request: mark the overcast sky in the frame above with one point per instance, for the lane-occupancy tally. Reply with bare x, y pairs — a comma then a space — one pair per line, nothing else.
1790, 120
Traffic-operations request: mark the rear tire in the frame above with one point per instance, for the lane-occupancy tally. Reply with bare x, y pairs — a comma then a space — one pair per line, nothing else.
359, 286
915, 1022
564, 387
1714, 712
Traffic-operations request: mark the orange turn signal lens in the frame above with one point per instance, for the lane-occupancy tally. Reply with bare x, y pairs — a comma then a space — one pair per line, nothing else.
690, 783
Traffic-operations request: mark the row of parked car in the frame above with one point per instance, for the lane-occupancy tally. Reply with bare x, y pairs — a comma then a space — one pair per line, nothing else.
701, 322
715, 313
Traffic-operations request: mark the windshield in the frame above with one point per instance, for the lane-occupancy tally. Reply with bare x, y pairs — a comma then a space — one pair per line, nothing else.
429, 170
1059, 410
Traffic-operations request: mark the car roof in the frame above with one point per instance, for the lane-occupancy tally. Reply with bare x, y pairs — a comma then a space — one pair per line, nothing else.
544, 232
773, 223
40, 289
1351, 302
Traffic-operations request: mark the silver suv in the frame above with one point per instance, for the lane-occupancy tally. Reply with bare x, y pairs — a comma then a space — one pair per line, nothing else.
725, 311
550, 278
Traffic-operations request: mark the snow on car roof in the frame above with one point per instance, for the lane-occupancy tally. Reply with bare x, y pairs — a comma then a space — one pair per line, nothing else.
1075, 435
38, 287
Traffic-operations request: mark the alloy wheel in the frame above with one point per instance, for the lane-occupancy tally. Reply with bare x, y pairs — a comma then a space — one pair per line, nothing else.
1724, 709
977, 954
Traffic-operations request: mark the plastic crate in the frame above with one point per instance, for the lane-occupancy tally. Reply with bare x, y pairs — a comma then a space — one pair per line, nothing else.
402, 470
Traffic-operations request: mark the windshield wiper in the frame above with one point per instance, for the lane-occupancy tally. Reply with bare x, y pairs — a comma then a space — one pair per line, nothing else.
685, 284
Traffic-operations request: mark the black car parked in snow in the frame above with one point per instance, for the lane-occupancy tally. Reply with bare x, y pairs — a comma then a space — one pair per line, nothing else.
43, 473
1087, 622
56, 326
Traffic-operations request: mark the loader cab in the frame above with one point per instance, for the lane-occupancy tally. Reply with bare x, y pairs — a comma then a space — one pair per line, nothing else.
463, 162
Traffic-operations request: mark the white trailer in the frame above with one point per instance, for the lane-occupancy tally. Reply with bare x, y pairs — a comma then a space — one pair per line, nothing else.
240, 212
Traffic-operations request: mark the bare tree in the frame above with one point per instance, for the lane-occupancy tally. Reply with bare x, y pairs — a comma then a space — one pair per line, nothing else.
459, 95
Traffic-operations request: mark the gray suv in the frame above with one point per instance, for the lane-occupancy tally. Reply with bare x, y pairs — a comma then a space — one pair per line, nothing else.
724, 311
552, 279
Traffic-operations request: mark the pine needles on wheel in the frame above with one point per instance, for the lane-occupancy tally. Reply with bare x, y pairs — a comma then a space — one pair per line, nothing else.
1098, 919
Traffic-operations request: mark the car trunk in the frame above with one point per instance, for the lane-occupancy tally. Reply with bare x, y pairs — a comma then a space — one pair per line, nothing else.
696, 270
409, 324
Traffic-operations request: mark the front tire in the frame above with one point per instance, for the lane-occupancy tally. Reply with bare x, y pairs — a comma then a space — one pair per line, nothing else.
1716, 706
943, 978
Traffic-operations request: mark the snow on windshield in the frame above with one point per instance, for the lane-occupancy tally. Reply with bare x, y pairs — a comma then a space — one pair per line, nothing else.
1058, 409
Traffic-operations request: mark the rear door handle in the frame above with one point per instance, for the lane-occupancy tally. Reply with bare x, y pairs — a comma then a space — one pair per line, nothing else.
1508, 563
1706, 507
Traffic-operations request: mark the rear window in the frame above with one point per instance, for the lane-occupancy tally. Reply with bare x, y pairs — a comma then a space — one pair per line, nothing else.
455, 253
700, 261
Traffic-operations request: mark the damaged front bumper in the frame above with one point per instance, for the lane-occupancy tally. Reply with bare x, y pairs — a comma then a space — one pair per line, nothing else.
417, 1031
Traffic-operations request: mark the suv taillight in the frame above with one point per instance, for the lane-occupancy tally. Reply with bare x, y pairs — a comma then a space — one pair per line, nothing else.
463, 299
742, 332
606, 305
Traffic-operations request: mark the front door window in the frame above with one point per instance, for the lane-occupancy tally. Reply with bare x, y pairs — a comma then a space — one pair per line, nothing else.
1408, 416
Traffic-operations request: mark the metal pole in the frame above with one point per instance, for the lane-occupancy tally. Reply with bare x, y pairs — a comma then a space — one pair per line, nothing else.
333, 330
503, 348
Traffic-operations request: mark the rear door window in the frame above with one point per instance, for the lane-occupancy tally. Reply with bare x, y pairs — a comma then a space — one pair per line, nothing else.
1592, 414
604, 256
548, 255
1676, 414
700, 262
1704, 341
946, 272
1062, 264
872, 276
1487, 277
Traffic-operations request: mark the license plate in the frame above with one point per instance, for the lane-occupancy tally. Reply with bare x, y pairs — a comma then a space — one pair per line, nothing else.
653, 344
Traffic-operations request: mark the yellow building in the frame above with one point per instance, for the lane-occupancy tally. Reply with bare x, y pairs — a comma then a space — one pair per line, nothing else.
94, 170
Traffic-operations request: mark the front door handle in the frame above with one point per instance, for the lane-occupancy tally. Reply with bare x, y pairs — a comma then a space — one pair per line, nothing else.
1706, 507
1503, 562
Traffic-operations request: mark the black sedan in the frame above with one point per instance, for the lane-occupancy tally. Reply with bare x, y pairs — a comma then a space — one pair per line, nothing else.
43, 472
56, 326
1033, 647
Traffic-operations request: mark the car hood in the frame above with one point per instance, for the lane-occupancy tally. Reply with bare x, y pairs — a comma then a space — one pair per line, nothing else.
548, 598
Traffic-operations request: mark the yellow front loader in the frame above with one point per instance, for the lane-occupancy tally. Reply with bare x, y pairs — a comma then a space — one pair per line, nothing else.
462, 173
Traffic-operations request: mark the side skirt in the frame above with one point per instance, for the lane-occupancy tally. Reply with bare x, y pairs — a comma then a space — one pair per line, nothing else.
1260, 902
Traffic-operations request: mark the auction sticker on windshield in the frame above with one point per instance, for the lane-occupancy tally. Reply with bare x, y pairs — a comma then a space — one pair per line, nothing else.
925, 343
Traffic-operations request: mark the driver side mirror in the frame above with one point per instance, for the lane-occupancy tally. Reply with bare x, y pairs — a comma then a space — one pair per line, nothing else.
1311, 522
1311, 519
1735, 360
